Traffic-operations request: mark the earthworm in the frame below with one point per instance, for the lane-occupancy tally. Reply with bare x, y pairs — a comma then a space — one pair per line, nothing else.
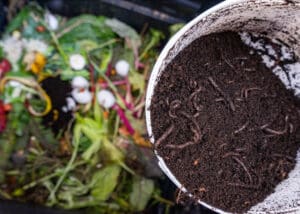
222, 145
240, 149
248, 69
219, 99
179, 195
174, 105
215, 85
246, 91
229, 154
244, 167
196, 130
244, 185
181, 146
229, 63
264, 127
196, 114
197, 135
291, 127
242, 128
172, 114
284, 156
164, 136
240, 58
192, 99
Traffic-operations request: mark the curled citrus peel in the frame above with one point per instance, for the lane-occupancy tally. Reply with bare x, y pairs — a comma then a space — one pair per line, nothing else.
29, 82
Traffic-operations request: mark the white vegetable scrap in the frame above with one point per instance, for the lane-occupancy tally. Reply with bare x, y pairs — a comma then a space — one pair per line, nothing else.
51, 21
77, 61
79, 82
16, 34
13, 49
82, 96
35, 45
80, 92
122, 68
106, 98
14, 84
71, 105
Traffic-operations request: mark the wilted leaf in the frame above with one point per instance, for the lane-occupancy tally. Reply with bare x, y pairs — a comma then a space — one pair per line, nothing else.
112, 153
104, 182
142, 190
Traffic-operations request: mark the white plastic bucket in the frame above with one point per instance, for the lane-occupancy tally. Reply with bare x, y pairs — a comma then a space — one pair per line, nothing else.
277, 19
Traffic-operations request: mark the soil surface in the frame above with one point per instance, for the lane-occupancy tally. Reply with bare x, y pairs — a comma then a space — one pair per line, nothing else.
225, 125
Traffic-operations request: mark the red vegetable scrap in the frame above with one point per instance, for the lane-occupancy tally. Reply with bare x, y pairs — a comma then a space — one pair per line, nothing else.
124, 119
40, 29
5, 67
3, 119
92, 77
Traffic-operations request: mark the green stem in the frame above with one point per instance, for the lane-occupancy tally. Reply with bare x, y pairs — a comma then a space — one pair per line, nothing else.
80, 204
163, 200
117, 124
41, 180
56, 43
60, 50
48, 177
108, 42
5, 194
109, 82
126, 168
147, 48
68, 168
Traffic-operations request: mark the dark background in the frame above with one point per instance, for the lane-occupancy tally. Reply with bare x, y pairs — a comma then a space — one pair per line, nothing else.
156, 13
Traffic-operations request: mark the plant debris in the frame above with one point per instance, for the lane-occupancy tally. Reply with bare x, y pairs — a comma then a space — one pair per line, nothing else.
71, 113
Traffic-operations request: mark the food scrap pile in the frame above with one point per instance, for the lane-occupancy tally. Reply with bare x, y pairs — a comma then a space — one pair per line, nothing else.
71, 112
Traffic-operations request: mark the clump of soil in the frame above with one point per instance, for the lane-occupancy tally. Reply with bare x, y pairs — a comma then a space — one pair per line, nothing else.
58, 91
225, 125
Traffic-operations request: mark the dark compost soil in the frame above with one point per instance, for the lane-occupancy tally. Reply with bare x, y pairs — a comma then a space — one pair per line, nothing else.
225, 125
57, 90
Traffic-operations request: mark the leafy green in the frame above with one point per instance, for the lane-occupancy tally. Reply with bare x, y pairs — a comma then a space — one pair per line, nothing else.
104, 182
69, 74
154, 38
84, 28
1, 52
142, 190
137, 81
124, 30
17, 22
